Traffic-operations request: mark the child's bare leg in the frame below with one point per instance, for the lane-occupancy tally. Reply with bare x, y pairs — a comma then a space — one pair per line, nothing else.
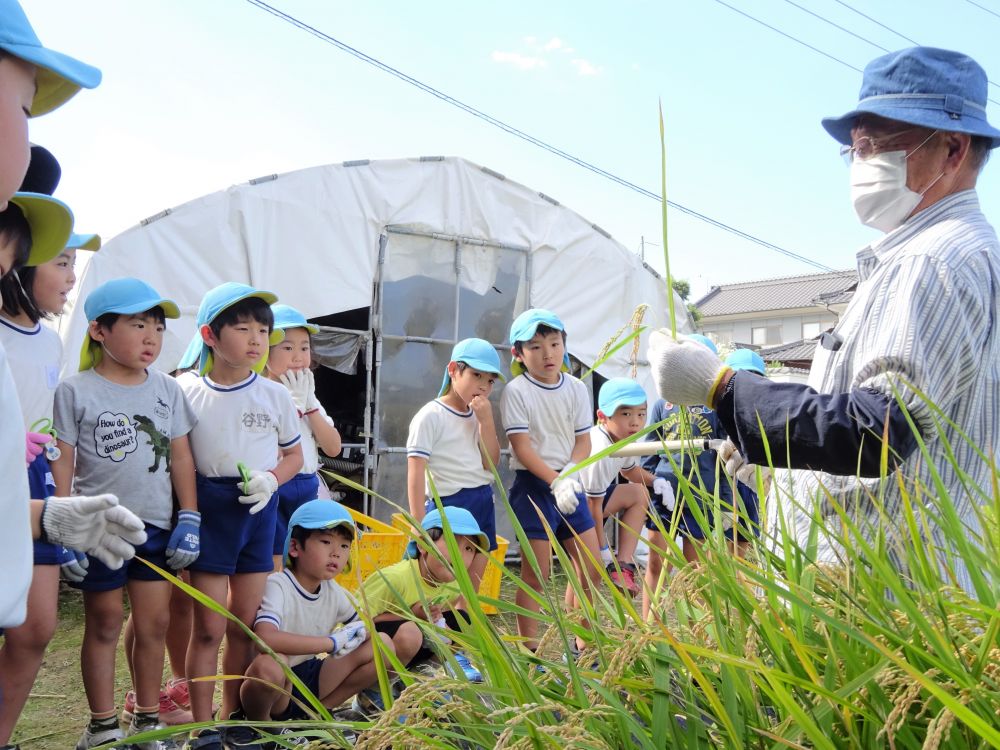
691, 549
150, 602
260, 696
586, 555
245, 593
632, 501
527, 626
406, 642
279, 563
24, 647
654, 569
103, 615
179, 630
343, 678
128, 644
207, 630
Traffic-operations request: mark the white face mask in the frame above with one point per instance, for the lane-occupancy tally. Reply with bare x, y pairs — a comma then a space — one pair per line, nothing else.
878, 189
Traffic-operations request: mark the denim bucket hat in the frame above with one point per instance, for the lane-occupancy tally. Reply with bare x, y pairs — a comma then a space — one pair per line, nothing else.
58, 77
524, 327
923, 86
620, 392
461, 521
320, 514
286, 316
477, 354
746, 359
125, 296
214, 302
90, 242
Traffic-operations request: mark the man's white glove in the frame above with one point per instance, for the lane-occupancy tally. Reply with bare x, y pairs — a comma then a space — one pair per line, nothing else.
737, 467
348, 638
565, 490
298, 385
258, 490
665, 490
96, 525
685, 371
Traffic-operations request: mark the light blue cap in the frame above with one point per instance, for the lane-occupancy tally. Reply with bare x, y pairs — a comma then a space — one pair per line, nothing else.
477, 354
620, 392
214, 302
286, 316
58, 77
526, 325
461, 521
704, 341
124, 296
320, 514
84, 242
746, 359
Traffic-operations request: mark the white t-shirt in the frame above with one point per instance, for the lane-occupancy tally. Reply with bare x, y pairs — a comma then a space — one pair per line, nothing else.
553, 415
34, 354
292, 609
249, 422
597, 477
15, 531
310, 453
449, 441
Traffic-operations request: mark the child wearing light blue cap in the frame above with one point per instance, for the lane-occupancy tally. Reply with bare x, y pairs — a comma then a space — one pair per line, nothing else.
422, 587
290, 363
122, 428
452, 447
246, 444
621, 412
547, 414
305, 612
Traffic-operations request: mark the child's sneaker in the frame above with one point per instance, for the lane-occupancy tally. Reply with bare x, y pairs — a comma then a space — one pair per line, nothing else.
206, 739
171, 712
97, 737
177, 689
369, 702
469, 672
129, 708
625, 578
138, 727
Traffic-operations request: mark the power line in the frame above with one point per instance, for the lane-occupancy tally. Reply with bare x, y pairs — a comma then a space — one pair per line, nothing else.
984, 8
878, 23
826, 20
426, 88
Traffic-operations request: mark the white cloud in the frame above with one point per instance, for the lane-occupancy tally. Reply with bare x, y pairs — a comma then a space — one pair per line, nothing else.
530, 41
553, 43
585, 68
522, 62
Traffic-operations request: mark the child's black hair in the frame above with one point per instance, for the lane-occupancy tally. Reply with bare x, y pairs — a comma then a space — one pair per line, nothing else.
109, 319
17, 295
14, 228
542, 330
251, 308
300, 534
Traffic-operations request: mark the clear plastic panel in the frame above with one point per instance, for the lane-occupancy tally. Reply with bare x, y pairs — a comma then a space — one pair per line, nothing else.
411, 376
418, 287
492, 283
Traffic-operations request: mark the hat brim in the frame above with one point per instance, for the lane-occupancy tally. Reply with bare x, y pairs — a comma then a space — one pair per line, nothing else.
311, 327
59, 77
51, 223
935, 119
90, 242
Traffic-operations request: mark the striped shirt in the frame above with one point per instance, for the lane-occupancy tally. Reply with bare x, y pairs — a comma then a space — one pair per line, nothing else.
923, 319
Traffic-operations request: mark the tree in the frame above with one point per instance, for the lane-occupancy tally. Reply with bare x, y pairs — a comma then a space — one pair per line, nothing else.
683, 289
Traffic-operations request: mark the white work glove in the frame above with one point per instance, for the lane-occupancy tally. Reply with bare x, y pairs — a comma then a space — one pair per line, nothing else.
96, 525
299, 386
665, 490
312, 403
260, 488
685, 370
348, 638
737, 467
565, 490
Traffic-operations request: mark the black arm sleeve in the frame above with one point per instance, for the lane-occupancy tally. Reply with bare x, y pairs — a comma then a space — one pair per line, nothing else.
838, 434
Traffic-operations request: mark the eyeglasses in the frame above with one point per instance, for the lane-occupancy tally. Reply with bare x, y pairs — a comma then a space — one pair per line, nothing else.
866, 147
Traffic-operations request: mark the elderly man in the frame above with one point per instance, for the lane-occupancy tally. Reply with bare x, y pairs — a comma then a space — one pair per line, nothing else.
921, 329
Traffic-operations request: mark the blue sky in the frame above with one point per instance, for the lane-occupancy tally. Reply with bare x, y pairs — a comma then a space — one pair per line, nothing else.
200, 95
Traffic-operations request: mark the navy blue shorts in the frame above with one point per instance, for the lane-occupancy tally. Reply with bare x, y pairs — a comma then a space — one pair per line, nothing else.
608, 493
41, 485
296, 491
308, 671
688, 525
232, 540
479, 502
528, 489
101, 578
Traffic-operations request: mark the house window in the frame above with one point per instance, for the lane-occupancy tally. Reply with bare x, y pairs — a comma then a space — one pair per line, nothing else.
723, 337
768, 335
810, 329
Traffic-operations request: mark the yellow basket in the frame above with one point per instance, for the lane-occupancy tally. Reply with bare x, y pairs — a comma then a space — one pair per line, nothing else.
490, 585
380, 546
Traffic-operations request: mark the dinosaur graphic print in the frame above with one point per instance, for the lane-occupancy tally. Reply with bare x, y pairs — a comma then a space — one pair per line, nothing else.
159, 442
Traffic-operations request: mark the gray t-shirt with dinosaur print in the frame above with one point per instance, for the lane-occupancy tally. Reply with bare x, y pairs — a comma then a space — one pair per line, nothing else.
122, 437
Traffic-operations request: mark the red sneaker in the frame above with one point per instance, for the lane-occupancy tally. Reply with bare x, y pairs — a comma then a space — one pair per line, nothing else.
177, 689
625, 579
171, 713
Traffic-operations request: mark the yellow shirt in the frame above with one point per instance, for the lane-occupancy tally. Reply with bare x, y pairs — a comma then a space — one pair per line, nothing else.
397, 588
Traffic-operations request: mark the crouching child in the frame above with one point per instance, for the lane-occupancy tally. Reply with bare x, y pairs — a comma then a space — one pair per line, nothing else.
310, 621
